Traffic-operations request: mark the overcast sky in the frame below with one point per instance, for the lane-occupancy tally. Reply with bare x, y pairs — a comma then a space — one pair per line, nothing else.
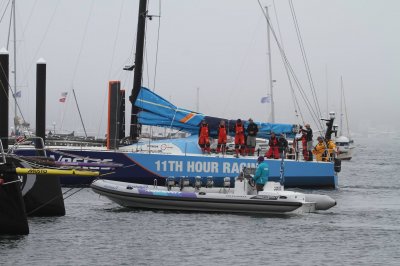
219, 47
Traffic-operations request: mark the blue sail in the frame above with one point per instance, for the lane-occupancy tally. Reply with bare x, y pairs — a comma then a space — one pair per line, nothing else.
157, 111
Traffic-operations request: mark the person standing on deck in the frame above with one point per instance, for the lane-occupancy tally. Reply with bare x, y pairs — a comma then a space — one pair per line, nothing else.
262, 174
304, 145
331, 150
252, 130
309, 135
273, 151
204, 137
221, 137
282, 145
239, 138
319, 149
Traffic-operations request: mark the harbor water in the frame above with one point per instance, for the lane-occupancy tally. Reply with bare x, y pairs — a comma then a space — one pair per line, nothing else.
363, 229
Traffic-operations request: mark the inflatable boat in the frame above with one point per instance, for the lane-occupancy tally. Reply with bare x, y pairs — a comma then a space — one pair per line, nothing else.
183, 196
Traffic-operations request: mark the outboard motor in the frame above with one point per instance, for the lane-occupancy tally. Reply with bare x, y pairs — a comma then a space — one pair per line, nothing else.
197, 182
209, 182
184, 182
227, 182
243, 172
337, 165
170, 182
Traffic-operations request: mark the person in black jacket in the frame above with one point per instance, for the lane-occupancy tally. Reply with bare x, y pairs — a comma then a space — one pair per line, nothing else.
309, 136
282, 145
252, 130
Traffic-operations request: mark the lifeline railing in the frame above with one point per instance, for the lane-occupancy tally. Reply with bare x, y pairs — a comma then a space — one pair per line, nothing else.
31, 140
3, 155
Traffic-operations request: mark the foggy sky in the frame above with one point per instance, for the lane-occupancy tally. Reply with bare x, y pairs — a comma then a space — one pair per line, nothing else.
219, 47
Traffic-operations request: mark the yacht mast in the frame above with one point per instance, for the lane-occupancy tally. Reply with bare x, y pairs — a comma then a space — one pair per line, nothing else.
135, 128
270, 68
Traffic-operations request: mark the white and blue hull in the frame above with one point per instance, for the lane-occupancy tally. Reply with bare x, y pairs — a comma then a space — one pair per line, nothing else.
144, 168
204, 200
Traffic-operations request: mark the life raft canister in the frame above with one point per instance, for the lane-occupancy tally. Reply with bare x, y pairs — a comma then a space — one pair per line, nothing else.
337, 165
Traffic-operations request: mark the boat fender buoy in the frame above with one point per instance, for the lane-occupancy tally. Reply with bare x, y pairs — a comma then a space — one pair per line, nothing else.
197, 182
1, 181
337, 165
170, 182
227, 182
210, 182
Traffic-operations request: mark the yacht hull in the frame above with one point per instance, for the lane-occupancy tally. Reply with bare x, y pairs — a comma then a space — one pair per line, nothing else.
145, 168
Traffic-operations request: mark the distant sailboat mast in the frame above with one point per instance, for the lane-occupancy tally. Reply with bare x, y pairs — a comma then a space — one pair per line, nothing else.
15, 66
343, 102
341, 107
327, 90
197, 99
14, 71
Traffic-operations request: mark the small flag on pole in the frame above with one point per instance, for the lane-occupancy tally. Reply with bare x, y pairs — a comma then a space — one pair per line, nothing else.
63, 97
17, 94
20, 139
266, 99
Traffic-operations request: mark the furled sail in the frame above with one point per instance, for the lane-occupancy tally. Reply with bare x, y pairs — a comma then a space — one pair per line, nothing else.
156, 111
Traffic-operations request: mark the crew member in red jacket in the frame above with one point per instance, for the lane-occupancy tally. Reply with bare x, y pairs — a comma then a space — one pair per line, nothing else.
273, 151
304, 145
239, 138
221, 137
204, 137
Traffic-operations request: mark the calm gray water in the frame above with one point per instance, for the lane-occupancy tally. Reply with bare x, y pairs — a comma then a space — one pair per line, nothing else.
363, 229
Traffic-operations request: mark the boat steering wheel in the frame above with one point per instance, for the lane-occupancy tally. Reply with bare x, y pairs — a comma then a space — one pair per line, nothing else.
251, 181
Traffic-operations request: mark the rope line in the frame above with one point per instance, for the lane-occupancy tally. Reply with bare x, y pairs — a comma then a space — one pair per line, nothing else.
296, 104
157, 45
5, 9
305, 60
111, 65
296, 80
12, 94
